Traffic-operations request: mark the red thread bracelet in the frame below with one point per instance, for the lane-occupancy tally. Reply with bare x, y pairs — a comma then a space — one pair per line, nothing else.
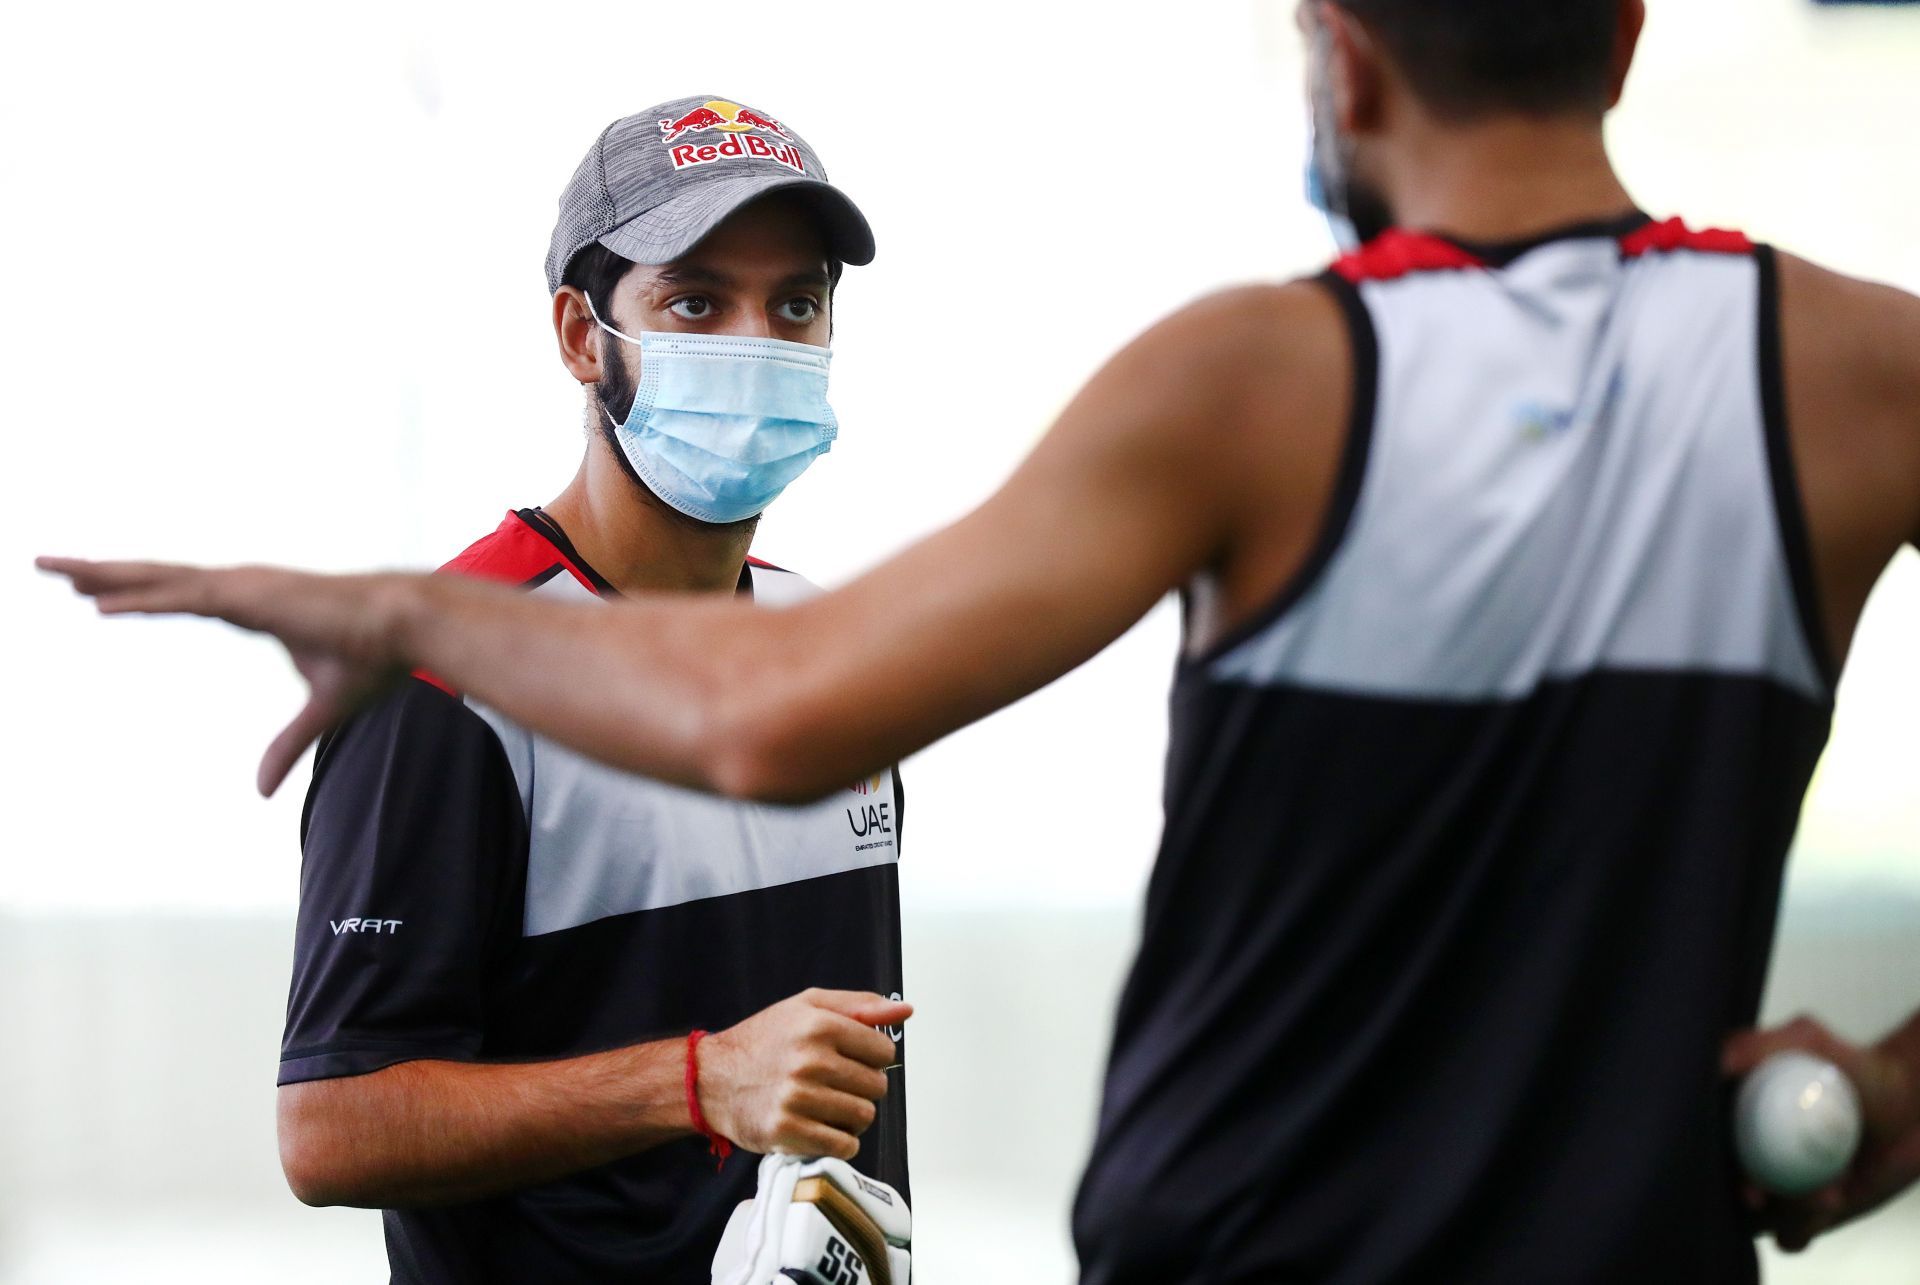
716, 1145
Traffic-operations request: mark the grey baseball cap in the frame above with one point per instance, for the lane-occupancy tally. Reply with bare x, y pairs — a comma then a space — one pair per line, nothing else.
654, 184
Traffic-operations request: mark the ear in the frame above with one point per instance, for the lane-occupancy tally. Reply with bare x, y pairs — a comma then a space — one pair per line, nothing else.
574, 328
1630, 22
1356, 71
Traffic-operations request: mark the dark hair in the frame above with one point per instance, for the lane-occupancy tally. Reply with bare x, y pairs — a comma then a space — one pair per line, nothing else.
1469, 58
595, 271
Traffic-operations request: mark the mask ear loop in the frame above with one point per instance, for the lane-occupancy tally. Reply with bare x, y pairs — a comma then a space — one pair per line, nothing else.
617, 334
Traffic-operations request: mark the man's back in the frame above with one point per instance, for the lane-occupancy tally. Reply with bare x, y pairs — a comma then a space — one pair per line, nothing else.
1475, 834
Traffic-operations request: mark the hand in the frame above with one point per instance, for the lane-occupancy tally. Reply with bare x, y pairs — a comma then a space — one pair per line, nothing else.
339, 630
1889, 1157
801, 1077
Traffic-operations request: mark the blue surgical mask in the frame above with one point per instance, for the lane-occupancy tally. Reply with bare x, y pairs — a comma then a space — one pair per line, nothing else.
722, 424
1354, 215
1321, 186
1326, 166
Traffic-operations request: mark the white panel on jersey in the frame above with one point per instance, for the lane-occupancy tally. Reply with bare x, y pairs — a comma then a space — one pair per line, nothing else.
1568, 472
773, 588
604, 842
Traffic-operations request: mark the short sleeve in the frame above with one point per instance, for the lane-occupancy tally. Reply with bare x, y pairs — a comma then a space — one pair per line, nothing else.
413, 853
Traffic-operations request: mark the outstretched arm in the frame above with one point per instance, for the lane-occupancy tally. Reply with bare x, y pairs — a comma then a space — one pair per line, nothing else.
1144, 482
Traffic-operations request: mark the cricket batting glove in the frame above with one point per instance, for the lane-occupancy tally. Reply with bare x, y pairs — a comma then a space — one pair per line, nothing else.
817, 1221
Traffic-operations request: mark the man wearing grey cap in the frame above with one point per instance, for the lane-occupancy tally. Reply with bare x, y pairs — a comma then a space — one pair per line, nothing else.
507, 957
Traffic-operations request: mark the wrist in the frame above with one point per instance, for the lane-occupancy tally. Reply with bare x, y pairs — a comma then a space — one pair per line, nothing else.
400, 605
699, 1095
1899, 1059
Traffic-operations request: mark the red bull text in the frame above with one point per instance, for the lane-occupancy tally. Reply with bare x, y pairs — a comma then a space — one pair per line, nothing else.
734, 146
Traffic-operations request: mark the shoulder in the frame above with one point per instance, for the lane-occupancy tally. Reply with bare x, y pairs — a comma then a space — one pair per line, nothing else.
1869, 329
415, 747
1266, 323
512, 553
1244, 362
417, 714
1850, 365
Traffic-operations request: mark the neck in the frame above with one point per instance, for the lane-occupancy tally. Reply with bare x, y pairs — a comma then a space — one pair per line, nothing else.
629, 536
1502, 179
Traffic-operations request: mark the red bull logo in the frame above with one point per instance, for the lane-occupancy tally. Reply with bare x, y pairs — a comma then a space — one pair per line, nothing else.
739, 129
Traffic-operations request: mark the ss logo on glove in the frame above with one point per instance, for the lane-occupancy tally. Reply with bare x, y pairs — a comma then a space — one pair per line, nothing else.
840, 1265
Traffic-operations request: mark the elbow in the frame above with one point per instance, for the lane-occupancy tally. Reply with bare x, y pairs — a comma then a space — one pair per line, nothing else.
770, 726
311, 1158
312, 1181
768, 756
752, 771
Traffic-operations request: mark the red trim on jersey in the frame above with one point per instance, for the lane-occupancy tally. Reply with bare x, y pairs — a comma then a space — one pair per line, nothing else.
756, 562
1398, 253
512, 553
1673, 234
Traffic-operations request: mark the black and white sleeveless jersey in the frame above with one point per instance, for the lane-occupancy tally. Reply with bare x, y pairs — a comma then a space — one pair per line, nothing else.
1475, 837
471, 891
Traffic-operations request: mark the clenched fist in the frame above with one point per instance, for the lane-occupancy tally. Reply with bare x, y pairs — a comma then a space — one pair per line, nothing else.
801, 1077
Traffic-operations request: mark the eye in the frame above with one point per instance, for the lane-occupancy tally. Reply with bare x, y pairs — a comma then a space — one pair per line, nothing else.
692, 307
800, 310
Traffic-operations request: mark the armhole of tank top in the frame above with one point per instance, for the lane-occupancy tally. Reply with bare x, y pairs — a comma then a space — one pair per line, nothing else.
1347, 482
1796, 542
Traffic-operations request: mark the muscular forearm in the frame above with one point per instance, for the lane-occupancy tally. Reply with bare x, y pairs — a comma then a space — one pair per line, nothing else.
428, 1132
635, 686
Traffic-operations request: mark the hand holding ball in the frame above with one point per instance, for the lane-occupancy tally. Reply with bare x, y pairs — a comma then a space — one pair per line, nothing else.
1796, 1123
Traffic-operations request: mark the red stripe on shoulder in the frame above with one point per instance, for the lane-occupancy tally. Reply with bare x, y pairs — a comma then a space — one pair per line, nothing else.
1399, 253
512, 553
1674, 234
757, 562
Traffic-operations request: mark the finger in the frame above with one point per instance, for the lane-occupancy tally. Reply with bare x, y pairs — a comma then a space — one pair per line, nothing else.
845, 1112
94, 578
810, 1138
858, 1078
863, 1006
1798, 1223
1795, 1232
161, 598
861, 1042
1744, 1050
314, 718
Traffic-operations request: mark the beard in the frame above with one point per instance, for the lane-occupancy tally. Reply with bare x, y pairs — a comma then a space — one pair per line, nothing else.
616, 392
617, 387
1366, 209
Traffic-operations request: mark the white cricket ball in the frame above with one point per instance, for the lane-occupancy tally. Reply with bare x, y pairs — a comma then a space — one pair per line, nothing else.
1796, 1123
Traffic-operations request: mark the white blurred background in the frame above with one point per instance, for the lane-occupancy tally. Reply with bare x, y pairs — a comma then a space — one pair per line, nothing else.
273, 292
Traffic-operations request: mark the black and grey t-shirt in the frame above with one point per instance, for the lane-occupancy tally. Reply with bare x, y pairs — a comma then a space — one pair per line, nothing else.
1474, 839
471, 891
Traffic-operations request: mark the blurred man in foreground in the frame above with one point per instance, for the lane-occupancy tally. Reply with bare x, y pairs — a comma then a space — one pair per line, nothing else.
1520, 554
